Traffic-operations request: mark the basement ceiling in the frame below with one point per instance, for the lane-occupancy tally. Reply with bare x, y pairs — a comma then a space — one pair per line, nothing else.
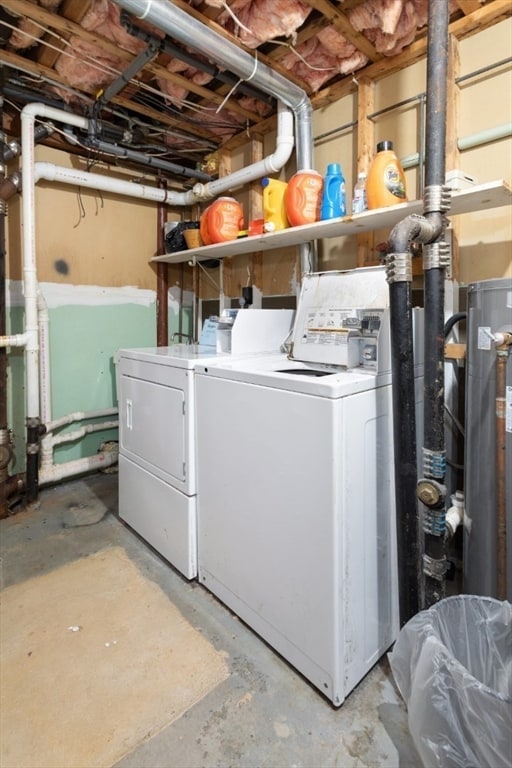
148, 92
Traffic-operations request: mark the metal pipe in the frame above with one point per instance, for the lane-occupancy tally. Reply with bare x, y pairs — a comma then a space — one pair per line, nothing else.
192, 61
178, 24
146, 159
428, 228
467, 142
162, 278
431, 490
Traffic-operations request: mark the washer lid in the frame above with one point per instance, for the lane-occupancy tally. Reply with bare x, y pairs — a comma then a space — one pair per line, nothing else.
334, 310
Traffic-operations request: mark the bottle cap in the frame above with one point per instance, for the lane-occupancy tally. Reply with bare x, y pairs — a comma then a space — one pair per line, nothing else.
382, 146
265, 181
334, 169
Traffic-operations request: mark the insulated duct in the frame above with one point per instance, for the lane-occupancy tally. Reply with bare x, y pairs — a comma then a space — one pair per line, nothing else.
427, 229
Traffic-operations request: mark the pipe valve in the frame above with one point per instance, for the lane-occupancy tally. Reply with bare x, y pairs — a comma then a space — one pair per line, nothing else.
430, 492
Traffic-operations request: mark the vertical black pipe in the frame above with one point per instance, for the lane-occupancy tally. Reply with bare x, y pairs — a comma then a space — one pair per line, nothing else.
404, 436
434, 276
437, 69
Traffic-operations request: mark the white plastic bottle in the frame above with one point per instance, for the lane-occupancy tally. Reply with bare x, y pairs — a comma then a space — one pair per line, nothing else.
359, 199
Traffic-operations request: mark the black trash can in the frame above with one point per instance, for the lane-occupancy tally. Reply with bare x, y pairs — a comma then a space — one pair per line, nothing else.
453, 666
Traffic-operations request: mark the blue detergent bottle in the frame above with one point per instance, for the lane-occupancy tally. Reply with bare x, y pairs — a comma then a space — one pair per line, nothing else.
334, 203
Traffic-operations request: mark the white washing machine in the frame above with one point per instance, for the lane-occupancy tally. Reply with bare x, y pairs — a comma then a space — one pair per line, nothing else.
296, 528
157, 461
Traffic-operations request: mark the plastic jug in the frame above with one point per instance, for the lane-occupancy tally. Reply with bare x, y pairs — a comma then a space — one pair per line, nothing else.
359, 200
334, 202
386, 179
224, 219
303, 197
203, 227
274, 209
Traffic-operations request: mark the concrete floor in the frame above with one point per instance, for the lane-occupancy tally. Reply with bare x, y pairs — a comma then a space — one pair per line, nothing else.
264, 715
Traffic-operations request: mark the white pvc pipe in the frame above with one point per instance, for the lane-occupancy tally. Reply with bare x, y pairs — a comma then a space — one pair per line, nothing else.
44, 359
70, 418
50, 440
16, 340
200, 192
79, 466
35, 339
32, 172
269, 165
86, 429
28, 115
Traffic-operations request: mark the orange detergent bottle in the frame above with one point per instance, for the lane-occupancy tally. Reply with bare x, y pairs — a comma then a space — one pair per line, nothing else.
386, 179
303, 197
203, 227
223, 220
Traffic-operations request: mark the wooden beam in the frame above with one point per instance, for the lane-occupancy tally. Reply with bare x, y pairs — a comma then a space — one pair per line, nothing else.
485, 17
33, 68
69, 28
255, 209
454, 351
468, 6
365, 144
74, 10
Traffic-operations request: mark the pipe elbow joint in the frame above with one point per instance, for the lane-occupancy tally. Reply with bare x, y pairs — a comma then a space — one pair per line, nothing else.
201, 192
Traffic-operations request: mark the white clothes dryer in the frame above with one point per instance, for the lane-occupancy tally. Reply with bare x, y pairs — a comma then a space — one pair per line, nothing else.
157, 449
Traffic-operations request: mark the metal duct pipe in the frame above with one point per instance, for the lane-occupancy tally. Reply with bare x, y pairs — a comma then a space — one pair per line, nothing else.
192, 61
178, 24
428, 229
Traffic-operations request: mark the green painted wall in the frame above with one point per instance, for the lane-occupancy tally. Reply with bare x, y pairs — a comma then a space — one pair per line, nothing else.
83, 343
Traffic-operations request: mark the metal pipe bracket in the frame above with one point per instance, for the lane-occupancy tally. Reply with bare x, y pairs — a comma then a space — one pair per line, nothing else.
437, 198
437, 255
399, 267
436, 569
434, 463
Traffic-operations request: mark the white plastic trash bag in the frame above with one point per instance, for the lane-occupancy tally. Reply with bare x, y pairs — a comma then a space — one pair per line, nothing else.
453, 666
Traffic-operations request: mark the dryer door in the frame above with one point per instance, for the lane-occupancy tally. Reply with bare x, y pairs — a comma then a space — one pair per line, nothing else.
155, 419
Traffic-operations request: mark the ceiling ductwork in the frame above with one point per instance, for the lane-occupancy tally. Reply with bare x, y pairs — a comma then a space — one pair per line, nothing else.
186, 29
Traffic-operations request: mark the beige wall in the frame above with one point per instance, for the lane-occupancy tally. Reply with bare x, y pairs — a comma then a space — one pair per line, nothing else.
112, 243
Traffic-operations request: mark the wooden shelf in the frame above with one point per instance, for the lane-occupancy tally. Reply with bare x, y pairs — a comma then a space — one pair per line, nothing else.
495, 194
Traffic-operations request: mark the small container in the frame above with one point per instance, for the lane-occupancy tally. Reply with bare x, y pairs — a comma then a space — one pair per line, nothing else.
386, 179
274, 208
303, 197
193, 238
334, 202
359, 199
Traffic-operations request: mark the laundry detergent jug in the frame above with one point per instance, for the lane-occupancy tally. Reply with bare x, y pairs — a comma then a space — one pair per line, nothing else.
274, 208
303, 197
223, 220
